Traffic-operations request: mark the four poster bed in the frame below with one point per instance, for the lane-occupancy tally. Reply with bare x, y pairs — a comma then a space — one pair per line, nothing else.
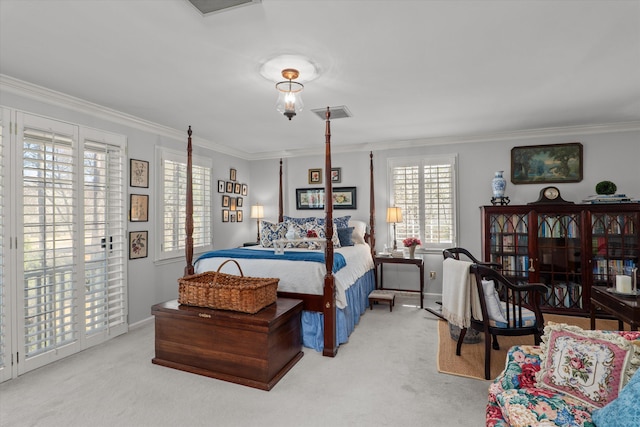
334, 285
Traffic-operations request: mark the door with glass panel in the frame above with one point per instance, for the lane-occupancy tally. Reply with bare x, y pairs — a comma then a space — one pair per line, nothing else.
70, 287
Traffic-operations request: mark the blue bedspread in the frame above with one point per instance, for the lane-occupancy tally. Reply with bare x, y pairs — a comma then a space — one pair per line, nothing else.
338, 259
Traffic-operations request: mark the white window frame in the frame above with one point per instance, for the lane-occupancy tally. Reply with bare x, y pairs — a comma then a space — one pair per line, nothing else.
162, 154
421, 162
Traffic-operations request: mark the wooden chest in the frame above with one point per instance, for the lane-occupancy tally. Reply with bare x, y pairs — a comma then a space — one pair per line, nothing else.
255, 350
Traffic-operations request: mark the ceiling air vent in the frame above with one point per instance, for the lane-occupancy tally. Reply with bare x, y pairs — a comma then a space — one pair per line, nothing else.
207, 7
339, 112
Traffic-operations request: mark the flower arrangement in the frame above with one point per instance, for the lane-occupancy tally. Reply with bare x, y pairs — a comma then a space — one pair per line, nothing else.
411, 241
311, 233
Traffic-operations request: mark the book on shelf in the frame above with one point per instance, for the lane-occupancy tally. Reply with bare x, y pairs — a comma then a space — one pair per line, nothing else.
608, 198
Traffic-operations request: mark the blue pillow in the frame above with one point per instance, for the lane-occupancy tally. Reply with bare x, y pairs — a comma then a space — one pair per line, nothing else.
339, 222
344, 235
623, 411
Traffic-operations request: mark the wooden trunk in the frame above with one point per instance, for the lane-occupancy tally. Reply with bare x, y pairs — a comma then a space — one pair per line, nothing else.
255, 350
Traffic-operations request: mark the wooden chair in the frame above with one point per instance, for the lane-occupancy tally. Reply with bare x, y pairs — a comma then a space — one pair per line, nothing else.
456, 252
507, 309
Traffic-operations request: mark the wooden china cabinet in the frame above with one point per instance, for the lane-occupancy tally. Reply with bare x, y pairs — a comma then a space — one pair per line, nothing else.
569, 247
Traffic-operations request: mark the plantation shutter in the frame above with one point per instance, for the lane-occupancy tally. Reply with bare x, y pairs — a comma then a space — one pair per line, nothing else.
5, 335
174, 203
104, 238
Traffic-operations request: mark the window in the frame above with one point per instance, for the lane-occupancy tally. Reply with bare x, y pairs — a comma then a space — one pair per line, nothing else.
425, 190
172, 215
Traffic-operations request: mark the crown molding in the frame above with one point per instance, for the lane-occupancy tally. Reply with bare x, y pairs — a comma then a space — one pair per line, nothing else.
42, 94
59, 99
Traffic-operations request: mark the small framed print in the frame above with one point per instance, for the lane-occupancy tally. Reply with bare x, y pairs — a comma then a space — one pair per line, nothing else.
233, 203
232, 217
315, 176
229, 187
138, 244
226, 201
239, 202
139, 173
336, 175
232, 174
245, 190
239, 215
225, 215
139, 204
236, 188
221, 186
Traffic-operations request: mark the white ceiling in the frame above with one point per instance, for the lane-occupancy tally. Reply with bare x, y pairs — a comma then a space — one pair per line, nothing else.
407, 70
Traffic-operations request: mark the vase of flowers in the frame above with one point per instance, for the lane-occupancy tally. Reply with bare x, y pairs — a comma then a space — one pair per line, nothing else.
411, 243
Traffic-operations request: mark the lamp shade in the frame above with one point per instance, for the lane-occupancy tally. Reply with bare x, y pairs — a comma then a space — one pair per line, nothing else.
257, 211
394, 215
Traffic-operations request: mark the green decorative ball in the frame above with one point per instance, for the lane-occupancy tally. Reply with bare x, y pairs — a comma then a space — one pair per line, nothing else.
606, 187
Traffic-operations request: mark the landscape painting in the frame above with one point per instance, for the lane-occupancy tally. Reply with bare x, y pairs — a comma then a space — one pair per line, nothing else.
537, 164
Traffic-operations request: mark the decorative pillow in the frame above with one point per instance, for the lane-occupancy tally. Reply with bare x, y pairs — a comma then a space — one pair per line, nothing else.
270, 231
528, 317
624, 411
359, 230
590, 366
494, 307
339, 222
299, 221
345, 236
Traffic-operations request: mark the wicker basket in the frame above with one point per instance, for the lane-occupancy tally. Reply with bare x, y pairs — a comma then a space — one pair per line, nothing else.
227, 292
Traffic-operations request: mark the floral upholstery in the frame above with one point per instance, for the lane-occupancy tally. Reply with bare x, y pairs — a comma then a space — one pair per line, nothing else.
515, 399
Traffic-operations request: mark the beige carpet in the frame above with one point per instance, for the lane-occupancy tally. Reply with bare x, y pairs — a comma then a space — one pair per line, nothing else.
470, 363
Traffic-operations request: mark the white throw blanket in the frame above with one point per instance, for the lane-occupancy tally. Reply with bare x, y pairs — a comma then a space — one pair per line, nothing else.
460, 298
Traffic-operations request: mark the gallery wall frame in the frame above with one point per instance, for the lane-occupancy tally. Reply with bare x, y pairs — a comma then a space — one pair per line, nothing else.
551, 163
139, 208
138, 244
315, 176
314, 198
336, 175
232, 174
221, 186
138, 173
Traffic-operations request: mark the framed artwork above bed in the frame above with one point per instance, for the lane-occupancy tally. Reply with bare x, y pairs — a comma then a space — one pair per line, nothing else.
314, 198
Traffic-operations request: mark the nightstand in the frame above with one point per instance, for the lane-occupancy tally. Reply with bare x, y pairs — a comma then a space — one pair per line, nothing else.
418, 262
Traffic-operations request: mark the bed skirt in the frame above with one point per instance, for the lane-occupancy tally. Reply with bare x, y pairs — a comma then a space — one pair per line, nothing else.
346, 318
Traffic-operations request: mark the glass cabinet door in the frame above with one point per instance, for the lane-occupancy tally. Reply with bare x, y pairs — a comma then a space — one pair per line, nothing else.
559, 258
509, 244
614, 245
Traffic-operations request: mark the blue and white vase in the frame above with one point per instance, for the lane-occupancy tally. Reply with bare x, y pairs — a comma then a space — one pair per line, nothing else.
498, 184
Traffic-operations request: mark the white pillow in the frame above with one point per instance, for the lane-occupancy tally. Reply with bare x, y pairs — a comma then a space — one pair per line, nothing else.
494, 307
359, 230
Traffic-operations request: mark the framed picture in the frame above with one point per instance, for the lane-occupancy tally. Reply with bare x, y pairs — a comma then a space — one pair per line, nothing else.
229, 187
239, 215
225, 215
232, 216
233, 203
236, 188
315, 176
245, 190
221, 186
139, 173
336, 175
226, 201
239, 202
538, 164
139, 204
232, 174
138, 244
314, 198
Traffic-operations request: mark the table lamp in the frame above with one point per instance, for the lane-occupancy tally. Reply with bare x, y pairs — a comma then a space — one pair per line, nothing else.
257, 212
394, 215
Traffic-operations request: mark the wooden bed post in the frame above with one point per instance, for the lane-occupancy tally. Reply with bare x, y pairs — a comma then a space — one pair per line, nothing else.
188, 223
280, 205
329, 299
372, 208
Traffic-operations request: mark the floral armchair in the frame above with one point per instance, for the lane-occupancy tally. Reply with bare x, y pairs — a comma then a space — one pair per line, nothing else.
516, 397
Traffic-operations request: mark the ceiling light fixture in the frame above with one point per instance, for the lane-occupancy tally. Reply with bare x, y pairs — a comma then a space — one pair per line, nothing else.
289, 99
